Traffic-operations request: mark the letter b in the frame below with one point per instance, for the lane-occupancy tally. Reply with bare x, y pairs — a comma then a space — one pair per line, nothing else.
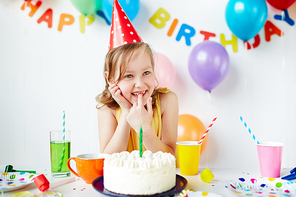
160, 17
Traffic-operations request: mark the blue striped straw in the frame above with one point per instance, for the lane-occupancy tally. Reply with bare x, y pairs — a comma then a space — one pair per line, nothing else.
64, 143
249, 130
64, 127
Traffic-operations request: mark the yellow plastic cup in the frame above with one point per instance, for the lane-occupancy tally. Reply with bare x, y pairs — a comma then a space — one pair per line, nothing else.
188, 152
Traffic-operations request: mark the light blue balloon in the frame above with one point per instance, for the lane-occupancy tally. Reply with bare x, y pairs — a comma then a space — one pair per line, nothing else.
130, 7
245, 18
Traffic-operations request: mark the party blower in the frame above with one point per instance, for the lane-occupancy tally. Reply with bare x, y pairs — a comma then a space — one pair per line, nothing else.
9, 168
291, 176
45, 187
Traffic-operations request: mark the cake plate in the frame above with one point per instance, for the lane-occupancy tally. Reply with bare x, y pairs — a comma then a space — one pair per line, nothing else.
181, 184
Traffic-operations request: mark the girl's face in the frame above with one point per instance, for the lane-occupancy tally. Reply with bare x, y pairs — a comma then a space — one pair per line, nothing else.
138, 78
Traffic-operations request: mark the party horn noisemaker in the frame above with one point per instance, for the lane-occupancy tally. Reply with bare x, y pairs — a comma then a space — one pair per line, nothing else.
45, 187
204, 135
249, 130
9, 168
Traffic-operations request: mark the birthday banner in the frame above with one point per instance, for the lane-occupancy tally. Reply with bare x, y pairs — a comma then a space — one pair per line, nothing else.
162, 18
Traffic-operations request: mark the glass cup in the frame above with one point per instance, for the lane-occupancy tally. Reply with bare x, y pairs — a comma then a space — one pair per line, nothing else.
60, 147
188, 152
270, 158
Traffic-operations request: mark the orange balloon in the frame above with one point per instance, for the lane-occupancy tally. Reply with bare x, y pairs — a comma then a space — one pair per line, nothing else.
190, 128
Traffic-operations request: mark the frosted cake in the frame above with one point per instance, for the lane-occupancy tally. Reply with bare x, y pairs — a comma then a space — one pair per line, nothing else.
129, 174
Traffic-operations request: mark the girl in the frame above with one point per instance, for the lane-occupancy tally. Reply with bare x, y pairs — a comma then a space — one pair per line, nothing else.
130, 100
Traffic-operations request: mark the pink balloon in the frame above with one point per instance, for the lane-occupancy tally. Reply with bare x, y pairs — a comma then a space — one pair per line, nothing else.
164, 71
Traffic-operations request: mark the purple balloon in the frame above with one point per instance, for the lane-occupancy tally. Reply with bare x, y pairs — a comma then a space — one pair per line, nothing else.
208, 64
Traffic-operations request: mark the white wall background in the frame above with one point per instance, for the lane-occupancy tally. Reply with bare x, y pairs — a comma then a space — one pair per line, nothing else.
44, 71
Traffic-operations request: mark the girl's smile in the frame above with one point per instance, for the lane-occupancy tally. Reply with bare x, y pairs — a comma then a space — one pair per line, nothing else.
137, 93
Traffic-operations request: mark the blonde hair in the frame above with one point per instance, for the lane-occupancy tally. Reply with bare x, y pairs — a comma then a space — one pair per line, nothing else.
119, 58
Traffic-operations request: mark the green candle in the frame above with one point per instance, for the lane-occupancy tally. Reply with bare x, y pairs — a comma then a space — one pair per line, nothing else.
141, 141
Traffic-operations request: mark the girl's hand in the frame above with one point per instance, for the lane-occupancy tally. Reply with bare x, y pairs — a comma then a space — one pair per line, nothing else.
138, 115
118, 97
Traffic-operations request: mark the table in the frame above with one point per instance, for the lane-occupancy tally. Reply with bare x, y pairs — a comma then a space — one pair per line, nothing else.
217, 186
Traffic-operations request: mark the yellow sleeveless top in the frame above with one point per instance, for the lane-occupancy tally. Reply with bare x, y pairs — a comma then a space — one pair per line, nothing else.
133, 142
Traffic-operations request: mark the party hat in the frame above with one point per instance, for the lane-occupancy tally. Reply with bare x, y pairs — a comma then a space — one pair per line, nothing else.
122, 30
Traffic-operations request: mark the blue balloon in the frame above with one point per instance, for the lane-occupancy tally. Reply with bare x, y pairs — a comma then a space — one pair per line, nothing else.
245, 18
130, 7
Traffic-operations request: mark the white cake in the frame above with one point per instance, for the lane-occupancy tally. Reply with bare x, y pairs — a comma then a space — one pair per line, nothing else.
129, 174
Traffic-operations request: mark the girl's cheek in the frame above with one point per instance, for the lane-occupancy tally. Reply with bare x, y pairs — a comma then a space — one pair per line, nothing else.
124, 88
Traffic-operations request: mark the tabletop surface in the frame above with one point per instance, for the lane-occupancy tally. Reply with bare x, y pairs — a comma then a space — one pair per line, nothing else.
225, 183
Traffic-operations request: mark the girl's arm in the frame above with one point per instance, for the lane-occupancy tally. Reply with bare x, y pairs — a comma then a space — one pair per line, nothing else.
113, 137
170, 114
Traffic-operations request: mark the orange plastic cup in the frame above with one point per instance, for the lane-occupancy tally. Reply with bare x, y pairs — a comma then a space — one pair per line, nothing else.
89, 166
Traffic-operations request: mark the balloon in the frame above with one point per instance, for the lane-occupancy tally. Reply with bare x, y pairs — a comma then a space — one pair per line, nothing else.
101, 14
245, 18
208, 64
164, 71
130, 7
281, 4
87, 7
190, 128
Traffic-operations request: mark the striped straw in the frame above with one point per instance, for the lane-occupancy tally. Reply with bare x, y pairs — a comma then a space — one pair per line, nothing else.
204, 135
64, 143
249, 130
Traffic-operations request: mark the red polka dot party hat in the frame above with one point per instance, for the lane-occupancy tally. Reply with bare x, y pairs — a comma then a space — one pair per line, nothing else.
122, 30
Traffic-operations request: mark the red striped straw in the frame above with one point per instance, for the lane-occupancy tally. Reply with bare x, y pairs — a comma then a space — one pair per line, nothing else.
204, 135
